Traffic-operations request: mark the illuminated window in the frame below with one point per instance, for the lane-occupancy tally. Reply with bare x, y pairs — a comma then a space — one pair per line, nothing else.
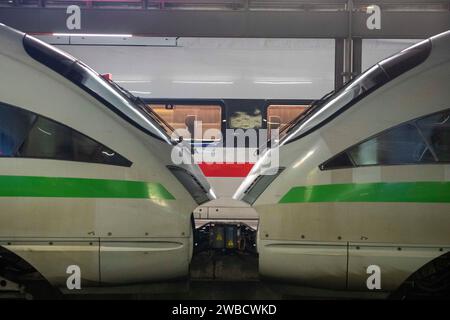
422, 141
281, 115
244, 114
199, 122
24, 134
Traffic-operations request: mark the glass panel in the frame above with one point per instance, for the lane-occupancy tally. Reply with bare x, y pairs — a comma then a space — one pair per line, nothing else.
48, 140
203, 120
244, 115
14, 127
401, 145
339, 161
48, 55
51, 140
436, 129
406, 59
25, 134
278, 116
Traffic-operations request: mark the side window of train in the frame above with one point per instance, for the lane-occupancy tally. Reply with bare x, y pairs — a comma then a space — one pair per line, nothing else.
279, 115
436, 130
421, 141
244, 114
24, 134
193, 122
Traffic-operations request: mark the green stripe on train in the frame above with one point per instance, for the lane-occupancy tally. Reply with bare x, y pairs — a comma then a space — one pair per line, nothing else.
30, 186
371, 192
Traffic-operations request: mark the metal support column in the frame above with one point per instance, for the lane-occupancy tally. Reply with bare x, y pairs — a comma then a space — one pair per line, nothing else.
357, 57
348, 53
348, 44
338, 63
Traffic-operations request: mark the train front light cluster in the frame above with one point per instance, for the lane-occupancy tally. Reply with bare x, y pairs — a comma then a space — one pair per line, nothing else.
258, 186
191, 183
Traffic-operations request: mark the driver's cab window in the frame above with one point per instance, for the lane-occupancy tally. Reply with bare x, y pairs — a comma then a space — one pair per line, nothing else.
195, 123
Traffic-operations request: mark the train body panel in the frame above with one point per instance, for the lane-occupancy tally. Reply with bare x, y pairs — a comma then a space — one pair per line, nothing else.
331, 218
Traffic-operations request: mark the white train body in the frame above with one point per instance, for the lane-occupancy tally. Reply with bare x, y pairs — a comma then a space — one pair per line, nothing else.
365, 179
89, 184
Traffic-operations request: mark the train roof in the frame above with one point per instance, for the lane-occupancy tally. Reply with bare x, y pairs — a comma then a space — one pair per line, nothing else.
11, 41
29, 50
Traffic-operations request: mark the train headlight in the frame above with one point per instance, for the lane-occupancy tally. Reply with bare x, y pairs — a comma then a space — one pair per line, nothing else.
192, 185
257, 187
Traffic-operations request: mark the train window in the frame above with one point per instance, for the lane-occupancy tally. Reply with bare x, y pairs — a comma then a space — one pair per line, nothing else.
278, 116
436, 130
401, 145
204, 121
423, 140
244, 114
406, 59
24, 134
14, 127
48, 55
342, 160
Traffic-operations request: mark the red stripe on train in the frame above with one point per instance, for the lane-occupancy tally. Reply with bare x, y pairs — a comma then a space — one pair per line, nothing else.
230, 170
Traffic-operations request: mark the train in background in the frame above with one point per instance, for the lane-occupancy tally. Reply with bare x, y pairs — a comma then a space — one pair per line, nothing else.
216, 117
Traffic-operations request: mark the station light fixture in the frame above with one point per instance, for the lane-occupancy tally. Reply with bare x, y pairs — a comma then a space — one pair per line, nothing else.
92, 35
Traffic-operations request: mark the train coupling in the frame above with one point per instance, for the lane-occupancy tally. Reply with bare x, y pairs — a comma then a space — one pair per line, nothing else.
225, 237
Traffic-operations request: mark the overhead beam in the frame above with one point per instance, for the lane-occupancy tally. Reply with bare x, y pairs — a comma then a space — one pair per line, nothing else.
224, 23
403, 25
339, 64
183, 23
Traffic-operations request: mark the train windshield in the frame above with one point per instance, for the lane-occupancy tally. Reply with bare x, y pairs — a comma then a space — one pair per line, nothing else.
375, 77
332, 102
118, 100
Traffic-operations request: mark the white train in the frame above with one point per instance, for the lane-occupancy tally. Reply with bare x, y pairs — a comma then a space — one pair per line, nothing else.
364, 181
86, 176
